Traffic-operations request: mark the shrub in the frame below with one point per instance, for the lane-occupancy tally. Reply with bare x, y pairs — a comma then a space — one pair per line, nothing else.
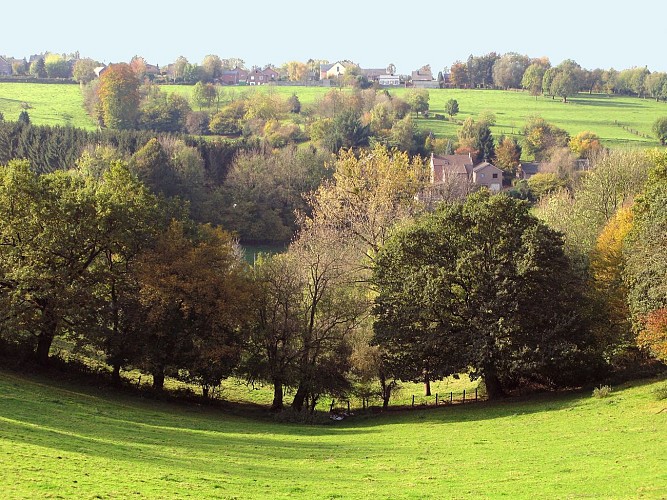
604, 391
660, 392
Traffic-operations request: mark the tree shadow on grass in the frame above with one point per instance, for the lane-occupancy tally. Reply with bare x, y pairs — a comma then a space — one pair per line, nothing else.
604, 103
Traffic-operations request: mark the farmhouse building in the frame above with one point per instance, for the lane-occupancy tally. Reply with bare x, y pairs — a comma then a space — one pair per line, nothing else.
389, 80
488, 175
234, 76
423, 79
5, 66
334, 70
526, 170
261, 76
454, 176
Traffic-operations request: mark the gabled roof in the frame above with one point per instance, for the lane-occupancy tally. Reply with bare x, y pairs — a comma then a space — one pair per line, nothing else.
484, 165
374, 72
450, 164
529, 168
426, 76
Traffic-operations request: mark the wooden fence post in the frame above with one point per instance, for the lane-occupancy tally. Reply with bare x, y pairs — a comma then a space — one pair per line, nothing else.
331, 407
348, 406
475, 393
464, 396
413, 400
436, 399
451, 397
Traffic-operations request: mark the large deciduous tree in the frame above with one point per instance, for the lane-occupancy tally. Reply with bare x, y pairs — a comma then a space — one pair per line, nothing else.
482, 287
118, 94
509, 70
54, 229
195, 292
646, 261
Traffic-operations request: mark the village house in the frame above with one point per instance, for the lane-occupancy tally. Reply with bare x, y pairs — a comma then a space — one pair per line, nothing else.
526, 169
454, 176
423, 79
262, 76
5, 66
234, 76
489, 176
389, 80
334, 70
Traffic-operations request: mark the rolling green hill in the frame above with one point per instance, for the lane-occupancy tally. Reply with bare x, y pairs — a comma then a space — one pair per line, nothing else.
606, 116
47, 104
60, 440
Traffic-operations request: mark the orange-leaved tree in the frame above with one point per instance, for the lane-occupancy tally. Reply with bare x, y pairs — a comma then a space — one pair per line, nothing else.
118, 96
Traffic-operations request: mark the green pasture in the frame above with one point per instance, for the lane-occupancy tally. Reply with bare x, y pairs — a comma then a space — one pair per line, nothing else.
606, 116
598, 113
46, 104
60, 440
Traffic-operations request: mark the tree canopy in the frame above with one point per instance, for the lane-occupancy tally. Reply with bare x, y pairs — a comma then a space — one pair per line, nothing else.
480, 287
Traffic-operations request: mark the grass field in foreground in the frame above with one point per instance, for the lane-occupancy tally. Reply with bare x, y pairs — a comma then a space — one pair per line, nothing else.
58, 440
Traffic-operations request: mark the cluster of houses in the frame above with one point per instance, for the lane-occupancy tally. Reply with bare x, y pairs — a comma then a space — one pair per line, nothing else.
329, 74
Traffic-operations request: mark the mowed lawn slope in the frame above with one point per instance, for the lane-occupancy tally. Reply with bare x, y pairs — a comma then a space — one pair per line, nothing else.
62, 440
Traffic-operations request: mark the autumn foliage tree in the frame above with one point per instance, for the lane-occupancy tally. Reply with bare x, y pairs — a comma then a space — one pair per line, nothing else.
646, 259
118, 97
194, 291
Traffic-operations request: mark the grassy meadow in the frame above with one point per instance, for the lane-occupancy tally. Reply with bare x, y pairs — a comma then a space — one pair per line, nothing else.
60, 440
47, 104
595, 112
606, 116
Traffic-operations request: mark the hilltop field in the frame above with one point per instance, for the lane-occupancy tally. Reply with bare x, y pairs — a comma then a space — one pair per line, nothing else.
619, 121
59, 440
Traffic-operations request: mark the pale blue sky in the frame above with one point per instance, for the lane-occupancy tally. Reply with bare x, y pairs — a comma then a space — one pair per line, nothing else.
371, 33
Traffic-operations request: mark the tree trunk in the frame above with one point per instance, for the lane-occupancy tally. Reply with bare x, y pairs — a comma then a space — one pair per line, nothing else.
158, 379
313, 403
204, 391
115, 374
494, 389
44, 342
386, 391
45, 338
299, 398
427, 384
277, 404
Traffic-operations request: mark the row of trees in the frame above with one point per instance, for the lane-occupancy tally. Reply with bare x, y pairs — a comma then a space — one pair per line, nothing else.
512, 70
118, 100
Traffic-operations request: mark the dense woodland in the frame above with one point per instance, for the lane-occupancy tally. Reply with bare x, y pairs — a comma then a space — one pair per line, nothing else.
374, 288
123, 244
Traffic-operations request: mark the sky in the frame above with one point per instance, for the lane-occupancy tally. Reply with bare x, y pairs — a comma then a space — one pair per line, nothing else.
373, 34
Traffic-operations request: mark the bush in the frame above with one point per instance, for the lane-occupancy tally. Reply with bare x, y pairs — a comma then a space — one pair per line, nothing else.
660, 392
604, 391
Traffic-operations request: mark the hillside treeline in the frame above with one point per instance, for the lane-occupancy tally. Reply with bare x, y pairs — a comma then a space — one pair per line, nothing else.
252, 190
374, 289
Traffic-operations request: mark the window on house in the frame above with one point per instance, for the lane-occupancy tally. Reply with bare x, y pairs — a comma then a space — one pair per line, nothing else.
495, 176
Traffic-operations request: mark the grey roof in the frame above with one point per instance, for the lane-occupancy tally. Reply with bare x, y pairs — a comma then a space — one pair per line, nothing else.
529, 168
418, 75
